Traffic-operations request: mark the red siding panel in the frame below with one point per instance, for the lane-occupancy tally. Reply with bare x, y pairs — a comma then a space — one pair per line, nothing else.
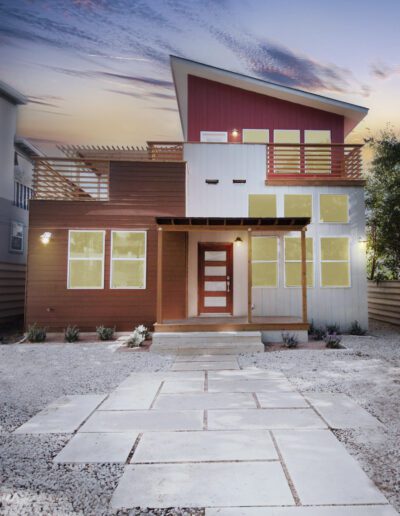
213, 106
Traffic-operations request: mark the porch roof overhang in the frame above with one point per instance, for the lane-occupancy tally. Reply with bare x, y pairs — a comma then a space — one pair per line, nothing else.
232, 223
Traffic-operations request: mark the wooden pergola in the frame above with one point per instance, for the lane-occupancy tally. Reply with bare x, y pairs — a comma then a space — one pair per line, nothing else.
252, 225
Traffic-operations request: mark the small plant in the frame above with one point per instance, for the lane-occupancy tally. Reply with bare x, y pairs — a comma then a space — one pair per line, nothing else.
333, 341
311, 328
71, 333
355, 329
333, 328
138, 336
143, 330
104, 332
36, 333
318, 334
290, 341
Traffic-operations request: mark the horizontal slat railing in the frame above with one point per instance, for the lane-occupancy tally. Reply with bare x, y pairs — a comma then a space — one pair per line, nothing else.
154, 151
384, 301
330, 161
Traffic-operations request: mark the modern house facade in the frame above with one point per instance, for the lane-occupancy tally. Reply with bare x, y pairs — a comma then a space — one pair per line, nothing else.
254, 222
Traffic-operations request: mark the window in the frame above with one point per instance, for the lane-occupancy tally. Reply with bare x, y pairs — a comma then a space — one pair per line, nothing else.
16, 237
293, 262
298, 205
255, 136
334, 208
86, 259
128, 259
317, 159
287, 159
213, 136
22, 194
264, 261
263, 205
335, 262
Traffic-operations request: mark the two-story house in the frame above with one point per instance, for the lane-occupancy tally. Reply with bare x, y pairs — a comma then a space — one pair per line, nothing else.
255, 222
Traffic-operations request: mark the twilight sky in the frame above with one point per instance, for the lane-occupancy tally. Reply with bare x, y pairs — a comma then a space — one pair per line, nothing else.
97, 71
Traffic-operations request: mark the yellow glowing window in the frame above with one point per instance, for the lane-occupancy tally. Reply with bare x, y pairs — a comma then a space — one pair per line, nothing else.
286, 158
298, 205
128, 259
333, 208
264, 261
262, 205
317, 159
255, 136
335, 262
293, 262
85, 259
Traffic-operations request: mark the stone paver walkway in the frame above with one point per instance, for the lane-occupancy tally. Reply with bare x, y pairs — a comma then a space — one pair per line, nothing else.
239, 442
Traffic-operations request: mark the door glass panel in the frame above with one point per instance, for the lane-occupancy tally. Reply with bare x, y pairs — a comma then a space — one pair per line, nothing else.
214, 301
215, 286
215, 271
215, 256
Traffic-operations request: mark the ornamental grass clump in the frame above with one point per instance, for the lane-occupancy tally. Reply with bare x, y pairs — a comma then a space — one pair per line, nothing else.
333, 341
36, 333
290, 340
318, 333
333, 328
105, 333
355, 329
71, 333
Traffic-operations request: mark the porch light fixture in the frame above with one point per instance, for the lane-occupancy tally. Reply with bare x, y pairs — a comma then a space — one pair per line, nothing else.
45, 237
238, 241
235, 133
362, 240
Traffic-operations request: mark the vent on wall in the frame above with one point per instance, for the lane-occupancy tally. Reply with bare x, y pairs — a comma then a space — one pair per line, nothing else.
212, 181
238, 181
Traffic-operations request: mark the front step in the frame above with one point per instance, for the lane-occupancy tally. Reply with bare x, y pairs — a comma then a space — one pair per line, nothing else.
226, 343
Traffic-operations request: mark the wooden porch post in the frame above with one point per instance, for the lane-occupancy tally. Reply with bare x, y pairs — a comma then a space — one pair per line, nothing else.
159, 274
249, 278
304, 274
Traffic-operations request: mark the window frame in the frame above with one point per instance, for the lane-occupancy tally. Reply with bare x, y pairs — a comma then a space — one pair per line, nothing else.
348, 208
256, 129
297, 194
144, 259
328, 156
11, 249
259, 195
267, 261
298, 261
335, 261
85, 259
223, 134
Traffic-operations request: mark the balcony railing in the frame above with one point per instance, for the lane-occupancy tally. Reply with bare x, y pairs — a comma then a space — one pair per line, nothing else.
286, 161
154, 151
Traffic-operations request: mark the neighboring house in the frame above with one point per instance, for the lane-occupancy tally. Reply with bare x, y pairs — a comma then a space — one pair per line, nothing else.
254, 222
15, 190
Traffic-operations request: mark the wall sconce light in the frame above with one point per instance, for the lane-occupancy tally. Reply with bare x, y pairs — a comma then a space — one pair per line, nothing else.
45, 237
238, 241
362, 240
235, 133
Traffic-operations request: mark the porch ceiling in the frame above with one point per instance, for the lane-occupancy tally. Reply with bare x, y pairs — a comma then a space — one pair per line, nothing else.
228, 223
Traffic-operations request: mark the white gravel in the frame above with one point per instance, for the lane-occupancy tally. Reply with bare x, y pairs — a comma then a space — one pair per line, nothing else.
32, 376
369, 372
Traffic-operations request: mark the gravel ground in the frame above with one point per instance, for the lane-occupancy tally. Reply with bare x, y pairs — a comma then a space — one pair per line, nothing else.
369, 372
32, 376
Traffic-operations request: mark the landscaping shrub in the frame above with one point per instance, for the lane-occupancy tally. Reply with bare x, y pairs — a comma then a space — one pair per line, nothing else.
36, 333
311, 328
318, 334
290, 341
138, 336
71, 333
355, 329
105, 333
333, 341
333, 328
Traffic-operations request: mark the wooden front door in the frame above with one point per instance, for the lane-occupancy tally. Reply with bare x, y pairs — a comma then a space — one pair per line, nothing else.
215, 278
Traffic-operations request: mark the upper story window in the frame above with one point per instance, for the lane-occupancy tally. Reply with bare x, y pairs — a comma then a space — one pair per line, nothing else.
22, 194
214, 136
317, 160
16, 237
334, 208
255, 136
262, 205
298, 205
287, 159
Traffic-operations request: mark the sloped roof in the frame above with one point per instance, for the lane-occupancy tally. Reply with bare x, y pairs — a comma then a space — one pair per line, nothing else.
181, 68
11, 94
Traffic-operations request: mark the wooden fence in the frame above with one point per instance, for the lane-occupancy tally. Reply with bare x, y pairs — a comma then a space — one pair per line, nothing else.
12, 292
384, 301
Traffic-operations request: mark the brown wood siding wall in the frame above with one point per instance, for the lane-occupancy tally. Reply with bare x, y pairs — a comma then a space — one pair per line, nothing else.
174, 291
138, 193
384, 301
12, 292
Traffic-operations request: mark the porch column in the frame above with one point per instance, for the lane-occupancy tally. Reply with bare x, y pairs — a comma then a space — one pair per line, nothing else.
249, 277
159, 274
304, 274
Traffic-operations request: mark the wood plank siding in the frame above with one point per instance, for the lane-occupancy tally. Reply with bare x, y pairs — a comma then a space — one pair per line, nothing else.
175, 269
213, 106
384, 301
138, 193
12, 292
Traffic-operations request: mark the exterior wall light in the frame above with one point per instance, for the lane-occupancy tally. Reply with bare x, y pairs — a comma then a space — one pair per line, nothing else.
235, 133
45, 237
238, 241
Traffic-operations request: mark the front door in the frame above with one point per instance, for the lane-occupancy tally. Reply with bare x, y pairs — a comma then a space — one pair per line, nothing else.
215, 278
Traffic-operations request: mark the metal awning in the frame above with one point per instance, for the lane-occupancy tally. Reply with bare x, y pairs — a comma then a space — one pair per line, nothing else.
221, 223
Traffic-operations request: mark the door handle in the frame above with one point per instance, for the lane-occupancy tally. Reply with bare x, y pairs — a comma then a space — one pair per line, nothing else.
228, 284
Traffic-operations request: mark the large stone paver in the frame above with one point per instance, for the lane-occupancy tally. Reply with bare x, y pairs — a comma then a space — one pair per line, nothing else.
202, 485
182, 386
340, 411
143, 421
364, 510
248, 374
130, 399
86, 448
204, 358
205, 366
322, 470
249, 385
63, 415
253, 419
204, 400
274, 399
205, 446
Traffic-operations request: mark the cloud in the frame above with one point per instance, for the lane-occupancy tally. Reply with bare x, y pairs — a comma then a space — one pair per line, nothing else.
383, 71
46, 100
143, 95
147, 81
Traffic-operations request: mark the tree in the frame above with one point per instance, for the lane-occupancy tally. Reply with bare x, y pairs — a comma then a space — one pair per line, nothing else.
383, 207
